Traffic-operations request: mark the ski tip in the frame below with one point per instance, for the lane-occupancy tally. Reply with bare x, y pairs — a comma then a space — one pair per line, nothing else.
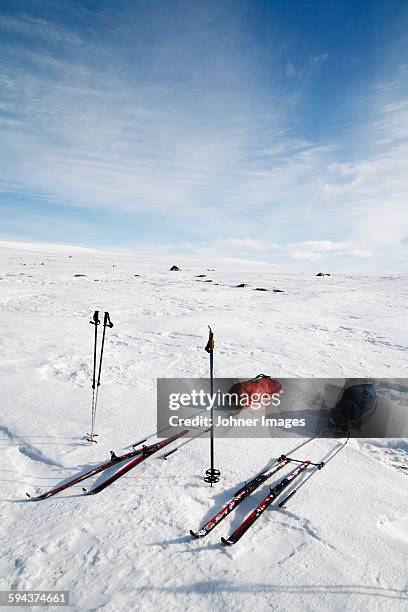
89, 492
226, 542
39, 498
194, 534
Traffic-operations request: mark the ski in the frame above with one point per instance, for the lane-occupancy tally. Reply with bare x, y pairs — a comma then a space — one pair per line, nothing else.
146, 452
96, 470
265, 503
238, 497
246, 490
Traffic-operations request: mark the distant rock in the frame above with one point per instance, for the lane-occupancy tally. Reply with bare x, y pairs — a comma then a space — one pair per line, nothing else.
175, 269
322, 274
42, 263
210, 270
242, 285
260, 289
200, 275
278, 291
137, 275
207, 281
78, 275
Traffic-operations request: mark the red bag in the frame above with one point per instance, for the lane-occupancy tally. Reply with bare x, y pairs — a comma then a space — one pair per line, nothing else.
250, 391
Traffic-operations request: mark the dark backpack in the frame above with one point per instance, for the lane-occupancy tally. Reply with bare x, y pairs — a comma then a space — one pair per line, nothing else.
355, 407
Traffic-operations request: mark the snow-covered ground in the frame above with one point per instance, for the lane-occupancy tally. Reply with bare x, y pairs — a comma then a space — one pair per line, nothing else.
343, 541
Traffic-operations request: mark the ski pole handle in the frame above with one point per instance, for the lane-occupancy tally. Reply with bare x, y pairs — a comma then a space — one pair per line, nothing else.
210, 344
95, 318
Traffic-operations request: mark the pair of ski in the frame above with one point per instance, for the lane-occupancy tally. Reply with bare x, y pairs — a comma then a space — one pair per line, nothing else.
274, 492
137, 456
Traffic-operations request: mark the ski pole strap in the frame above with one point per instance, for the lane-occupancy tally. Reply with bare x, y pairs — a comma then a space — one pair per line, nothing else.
106, 320
210, 344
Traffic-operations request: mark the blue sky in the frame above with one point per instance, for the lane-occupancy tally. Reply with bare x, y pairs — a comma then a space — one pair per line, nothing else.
271, 130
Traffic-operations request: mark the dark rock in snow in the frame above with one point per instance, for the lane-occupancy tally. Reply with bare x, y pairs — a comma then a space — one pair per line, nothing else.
78, 275
175, 269
260, 289
207, 281
278, 291
322, 274
200, 275
241, 285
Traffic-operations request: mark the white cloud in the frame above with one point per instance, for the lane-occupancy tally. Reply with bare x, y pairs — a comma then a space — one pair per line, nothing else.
311, 250
291, 70
308, 67
248, 244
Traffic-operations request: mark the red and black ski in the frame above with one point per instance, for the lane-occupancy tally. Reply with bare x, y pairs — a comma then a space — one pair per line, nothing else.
100, 468
96, 470
146, 452
267, 501
239, 497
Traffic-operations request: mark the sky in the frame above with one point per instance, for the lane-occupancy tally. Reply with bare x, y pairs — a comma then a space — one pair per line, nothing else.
267, 130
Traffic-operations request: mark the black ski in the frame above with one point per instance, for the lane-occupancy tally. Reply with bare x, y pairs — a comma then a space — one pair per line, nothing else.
265, 503
239, 497
147, 451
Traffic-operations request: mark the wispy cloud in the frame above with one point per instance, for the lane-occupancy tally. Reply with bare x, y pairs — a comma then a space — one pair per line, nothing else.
307, 67
311, 250
175, 119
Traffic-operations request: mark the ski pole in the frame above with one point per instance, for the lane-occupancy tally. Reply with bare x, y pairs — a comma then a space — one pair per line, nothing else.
212, 475
95, 321
106, 323
318, 466
185, 442
156, 433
